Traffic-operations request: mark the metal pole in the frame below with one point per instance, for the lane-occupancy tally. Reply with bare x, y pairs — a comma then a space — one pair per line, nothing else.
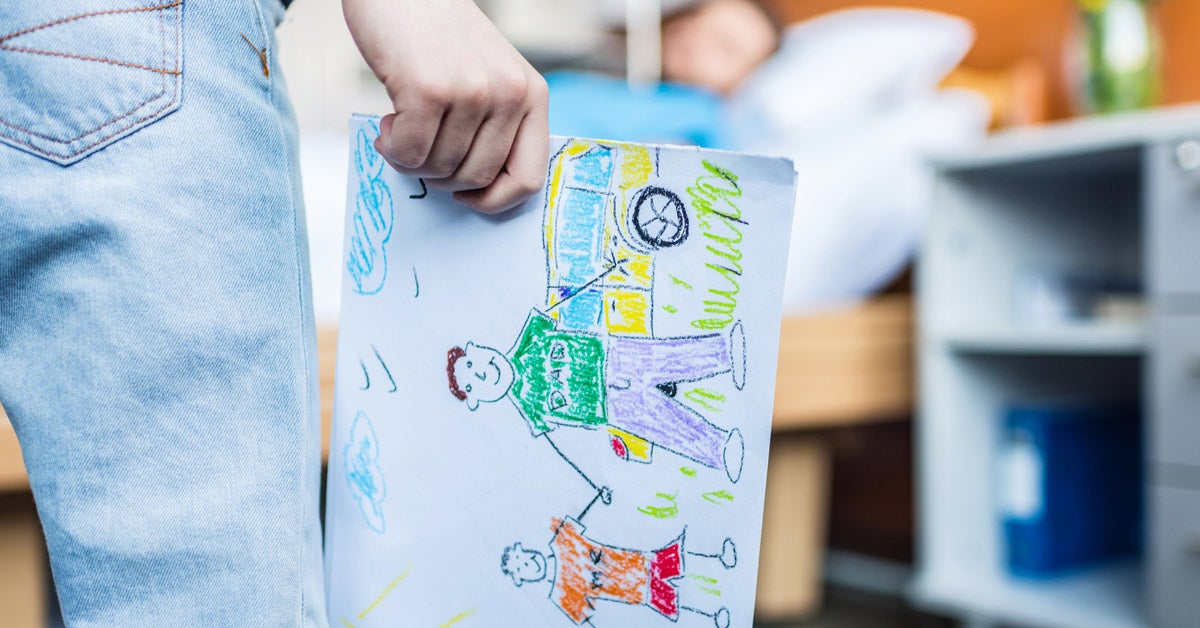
643, 44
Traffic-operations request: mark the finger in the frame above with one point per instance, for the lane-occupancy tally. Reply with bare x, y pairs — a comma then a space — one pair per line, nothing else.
406, 137
454, 138
524, 172
489, 151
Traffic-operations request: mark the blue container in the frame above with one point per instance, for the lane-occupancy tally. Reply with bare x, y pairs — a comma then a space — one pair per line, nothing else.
1071, 481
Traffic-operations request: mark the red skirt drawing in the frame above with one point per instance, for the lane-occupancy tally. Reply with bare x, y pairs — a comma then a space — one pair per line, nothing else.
666, 565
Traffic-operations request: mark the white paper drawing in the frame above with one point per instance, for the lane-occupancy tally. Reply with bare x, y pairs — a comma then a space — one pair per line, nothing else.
559, 416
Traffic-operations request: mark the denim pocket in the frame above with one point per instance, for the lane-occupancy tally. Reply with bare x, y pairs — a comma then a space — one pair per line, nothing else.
78, 75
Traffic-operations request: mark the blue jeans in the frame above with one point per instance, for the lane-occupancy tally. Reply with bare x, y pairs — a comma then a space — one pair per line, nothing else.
157, 350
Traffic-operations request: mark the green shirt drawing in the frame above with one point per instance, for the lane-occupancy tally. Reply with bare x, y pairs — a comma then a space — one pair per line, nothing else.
559, 376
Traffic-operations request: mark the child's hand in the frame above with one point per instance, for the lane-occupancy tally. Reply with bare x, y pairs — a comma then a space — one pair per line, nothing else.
470, 111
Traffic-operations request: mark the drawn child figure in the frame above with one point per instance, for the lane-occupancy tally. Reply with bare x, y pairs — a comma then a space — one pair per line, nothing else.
559, 377
583, 571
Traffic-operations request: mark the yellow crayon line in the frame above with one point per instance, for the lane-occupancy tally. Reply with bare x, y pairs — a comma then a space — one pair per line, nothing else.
346, 623
457, 618
386, 591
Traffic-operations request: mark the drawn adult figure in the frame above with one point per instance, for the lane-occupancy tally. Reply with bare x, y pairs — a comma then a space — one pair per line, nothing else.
582, 571
558, 377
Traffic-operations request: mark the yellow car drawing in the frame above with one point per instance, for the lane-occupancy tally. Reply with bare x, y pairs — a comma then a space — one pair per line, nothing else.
603, 224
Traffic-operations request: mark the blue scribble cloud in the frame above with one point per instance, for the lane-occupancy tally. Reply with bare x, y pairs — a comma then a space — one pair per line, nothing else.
374, 214
363, 474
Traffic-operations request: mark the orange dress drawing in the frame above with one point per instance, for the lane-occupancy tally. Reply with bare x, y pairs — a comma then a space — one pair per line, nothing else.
586, 571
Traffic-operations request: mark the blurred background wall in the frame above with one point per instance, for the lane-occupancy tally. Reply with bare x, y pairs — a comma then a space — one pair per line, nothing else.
328, 78
1011, 30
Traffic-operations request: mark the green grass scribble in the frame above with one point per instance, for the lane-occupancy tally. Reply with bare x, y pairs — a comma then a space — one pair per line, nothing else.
662, 512
715, 497
679, 282
688, 471
710, 400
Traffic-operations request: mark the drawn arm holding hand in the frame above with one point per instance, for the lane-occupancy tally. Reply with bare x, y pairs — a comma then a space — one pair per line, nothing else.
571, 463
470, 112
603, 494
615, 265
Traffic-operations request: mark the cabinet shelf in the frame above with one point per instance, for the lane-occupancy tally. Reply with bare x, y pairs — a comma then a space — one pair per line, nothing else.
1108, 597
1107, 203
1081, 339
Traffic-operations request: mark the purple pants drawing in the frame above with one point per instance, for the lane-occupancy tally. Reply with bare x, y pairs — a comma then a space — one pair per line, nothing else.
636, 366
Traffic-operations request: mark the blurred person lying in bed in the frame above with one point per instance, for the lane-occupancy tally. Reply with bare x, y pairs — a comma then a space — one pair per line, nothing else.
719, 43
852, 97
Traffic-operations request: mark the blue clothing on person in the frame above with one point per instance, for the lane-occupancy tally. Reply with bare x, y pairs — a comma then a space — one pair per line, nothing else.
156, 330
591, 105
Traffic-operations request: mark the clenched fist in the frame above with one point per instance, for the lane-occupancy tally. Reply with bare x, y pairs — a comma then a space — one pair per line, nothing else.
470, 112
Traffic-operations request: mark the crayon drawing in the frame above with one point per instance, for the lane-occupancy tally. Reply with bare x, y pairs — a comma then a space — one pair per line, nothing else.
373, 217
581, 571
611, 342
363, 473
559, 377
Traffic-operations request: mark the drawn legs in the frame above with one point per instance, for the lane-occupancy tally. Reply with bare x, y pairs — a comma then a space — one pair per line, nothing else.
649, 414
653, 361
669, 565
638, 371
726, 559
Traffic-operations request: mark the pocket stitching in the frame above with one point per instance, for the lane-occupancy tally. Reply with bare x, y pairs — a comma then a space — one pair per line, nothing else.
80, 16
99, 141
133, 110
98, 126
67, 55
162, 74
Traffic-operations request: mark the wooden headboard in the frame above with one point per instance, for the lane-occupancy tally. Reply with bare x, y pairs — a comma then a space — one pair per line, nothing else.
1010, 32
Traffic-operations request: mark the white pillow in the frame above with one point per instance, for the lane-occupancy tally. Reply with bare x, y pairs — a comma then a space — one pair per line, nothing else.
863, 192
836, 66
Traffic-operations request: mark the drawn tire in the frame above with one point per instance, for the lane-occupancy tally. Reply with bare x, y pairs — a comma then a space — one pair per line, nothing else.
619, 447
659, 217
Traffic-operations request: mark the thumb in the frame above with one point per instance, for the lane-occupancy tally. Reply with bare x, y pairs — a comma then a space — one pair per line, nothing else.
384, 143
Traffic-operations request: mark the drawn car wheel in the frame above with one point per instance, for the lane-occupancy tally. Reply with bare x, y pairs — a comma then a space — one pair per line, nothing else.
619, 447
659, 217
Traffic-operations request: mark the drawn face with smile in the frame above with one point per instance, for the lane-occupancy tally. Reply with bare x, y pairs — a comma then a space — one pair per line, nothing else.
483, 373
523, 565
